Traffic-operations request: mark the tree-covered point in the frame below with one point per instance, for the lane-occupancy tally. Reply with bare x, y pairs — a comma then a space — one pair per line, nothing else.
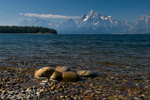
26, 29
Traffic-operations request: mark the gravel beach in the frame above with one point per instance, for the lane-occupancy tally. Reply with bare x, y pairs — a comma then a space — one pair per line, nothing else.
19, 83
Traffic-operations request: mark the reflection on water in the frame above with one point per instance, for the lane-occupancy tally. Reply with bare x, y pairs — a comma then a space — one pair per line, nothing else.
84, 51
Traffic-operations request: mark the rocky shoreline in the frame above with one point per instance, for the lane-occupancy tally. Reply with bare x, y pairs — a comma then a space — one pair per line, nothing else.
20, 83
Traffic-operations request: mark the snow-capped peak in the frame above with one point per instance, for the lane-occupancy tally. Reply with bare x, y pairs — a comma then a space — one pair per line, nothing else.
95, 18
145, 18
86, 18
91, 13
91, 16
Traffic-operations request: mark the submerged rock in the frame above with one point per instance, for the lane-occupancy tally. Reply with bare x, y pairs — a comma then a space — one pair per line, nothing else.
56, 76
87, 73
62, 69
70, 76
44, 72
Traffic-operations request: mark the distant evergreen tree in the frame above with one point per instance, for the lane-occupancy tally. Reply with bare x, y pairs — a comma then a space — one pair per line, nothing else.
26, 29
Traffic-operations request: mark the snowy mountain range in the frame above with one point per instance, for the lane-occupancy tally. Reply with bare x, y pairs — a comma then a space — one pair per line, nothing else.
93, 22
142, 25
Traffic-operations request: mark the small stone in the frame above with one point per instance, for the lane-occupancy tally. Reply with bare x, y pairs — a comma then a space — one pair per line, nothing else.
53, 87
44, 72
67, 96
17, 92
92, 95
136, 98
23, 92
112, 98
88, 91
39, 93
62, 97
29, 97
28, 90
3, 92
98, 92
62, 69
70, 76
3, 96
8, 84
10, 92
20, 98
75, 98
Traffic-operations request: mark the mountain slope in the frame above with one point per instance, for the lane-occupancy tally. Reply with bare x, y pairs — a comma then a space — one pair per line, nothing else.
93, 22
101, 24
35, 22
142, 25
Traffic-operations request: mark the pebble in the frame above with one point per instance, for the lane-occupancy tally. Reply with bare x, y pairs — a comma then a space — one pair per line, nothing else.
3, 96
10, 92
112, 98
29, 97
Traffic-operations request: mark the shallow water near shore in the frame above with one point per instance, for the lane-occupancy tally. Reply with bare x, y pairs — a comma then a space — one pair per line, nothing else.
122, 63
117, 53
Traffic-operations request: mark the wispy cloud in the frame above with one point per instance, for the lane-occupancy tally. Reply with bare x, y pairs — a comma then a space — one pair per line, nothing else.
48, 16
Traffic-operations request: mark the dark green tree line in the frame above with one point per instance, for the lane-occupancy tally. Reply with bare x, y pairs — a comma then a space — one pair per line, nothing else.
26, 29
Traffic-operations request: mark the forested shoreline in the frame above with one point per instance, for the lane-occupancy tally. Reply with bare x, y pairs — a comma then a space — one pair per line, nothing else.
26, 29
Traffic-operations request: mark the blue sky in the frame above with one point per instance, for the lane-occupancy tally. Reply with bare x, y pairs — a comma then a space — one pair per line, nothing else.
13, 11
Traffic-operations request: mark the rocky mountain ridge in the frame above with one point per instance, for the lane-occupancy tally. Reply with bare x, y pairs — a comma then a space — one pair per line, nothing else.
93, 22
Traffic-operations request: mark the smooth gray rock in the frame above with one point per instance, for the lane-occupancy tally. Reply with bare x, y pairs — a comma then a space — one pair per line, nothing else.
87, 73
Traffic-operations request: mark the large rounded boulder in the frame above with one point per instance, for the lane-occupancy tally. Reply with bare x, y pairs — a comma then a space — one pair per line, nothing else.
70, 76
56, 76
44, 72
87, 73
62, 69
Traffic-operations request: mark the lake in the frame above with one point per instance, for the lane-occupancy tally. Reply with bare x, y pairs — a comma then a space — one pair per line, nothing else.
119, 53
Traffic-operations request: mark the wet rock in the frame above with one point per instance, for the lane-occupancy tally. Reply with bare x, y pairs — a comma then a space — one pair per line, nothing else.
28, 90
70, 76
87, 73
10, 92
44, 82
29, 97
112, 98
88, 91
53, 87
62, 97
3, 96
56, 76
3, 92
62, 69
44, 72
39, 93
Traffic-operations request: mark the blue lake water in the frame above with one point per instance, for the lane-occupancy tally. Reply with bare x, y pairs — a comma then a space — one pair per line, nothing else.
83, 51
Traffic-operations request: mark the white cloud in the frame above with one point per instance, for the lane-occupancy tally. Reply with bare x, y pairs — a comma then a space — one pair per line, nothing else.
48, 16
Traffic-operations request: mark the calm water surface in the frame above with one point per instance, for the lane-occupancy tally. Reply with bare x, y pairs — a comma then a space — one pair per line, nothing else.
110, 52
